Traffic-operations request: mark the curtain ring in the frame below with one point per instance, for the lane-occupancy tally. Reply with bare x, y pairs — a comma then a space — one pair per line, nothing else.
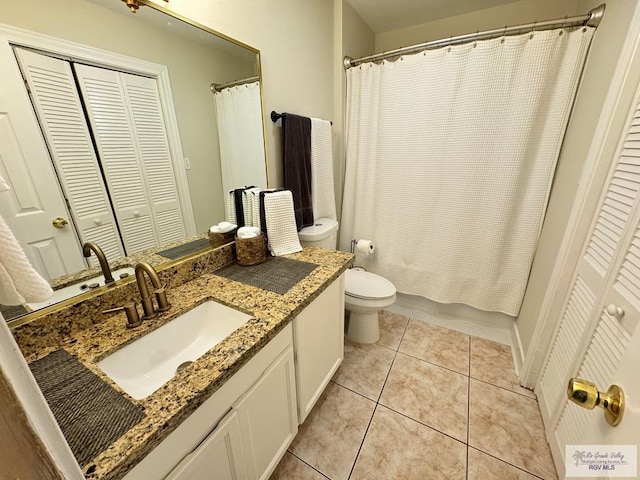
504, 33
475, 43
450, 39
533, 27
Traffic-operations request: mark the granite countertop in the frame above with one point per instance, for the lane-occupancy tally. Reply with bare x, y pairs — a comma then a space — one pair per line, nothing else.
166, 408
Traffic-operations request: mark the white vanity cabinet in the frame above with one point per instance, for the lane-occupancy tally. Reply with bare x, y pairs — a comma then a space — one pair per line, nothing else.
251, 439
318, 336
242, 431
219, 456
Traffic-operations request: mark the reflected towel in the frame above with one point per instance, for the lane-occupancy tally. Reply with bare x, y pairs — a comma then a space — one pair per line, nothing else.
19, 281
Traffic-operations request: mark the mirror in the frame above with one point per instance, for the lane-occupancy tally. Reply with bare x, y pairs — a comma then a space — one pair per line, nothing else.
142, 43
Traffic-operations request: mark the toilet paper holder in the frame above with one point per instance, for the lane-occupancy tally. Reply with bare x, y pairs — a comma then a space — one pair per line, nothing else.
354, 242
367, 247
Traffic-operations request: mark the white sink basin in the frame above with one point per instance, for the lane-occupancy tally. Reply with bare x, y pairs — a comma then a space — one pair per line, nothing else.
145, 365
81, 287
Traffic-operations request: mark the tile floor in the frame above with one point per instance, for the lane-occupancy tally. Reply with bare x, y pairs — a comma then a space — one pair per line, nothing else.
425, 402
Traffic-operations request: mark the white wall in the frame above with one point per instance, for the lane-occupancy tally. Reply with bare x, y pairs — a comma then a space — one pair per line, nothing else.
525, 11
295, 39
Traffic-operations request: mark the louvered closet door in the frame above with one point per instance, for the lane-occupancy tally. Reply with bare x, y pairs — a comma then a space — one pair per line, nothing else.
590, 341
126, 117
57, 104
150, 132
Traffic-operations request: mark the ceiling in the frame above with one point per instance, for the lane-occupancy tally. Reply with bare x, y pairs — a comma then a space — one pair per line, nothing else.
385, 15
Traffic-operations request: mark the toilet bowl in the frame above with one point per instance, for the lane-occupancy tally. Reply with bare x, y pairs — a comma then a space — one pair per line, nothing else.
365, 294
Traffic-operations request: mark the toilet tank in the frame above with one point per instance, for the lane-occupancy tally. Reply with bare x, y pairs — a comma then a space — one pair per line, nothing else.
323, 233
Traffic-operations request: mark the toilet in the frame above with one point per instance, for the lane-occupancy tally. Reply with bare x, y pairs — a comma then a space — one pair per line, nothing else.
365, 293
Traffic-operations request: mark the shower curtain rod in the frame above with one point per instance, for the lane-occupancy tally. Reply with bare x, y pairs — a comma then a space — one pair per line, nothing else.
590, 19
216, 87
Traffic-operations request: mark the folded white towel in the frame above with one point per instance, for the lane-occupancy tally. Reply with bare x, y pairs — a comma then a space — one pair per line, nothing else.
323, 198
19, 281
225, 227
248, 232
281, 223
215, 229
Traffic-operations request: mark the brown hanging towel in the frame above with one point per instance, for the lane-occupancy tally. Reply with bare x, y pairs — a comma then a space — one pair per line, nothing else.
296, 134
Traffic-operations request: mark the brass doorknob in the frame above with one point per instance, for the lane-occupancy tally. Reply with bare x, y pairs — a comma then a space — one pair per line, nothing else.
587, 395
60, 222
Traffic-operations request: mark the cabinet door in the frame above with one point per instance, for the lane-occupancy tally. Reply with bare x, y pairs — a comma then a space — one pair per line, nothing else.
267, 413
318, 337
220, 456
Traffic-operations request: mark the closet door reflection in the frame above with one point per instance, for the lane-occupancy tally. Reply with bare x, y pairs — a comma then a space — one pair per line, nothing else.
116, 171
126, 118
59, 110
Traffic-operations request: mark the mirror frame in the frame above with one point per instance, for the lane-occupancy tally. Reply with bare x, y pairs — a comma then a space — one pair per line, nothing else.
18, 321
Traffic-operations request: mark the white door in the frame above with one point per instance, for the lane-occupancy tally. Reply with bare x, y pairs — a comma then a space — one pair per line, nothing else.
35, 199
599, 432
58, 107
602, 310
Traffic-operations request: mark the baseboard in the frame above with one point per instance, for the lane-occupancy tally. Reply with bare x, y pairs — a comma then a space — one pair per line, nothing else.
516, 348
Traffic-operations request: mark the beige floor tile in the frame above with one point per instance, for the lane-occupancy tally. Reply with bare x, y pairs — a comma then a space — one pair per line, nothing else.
331, 435
392, 327
492, 362
397, 447
429, 394
364, 368
292, 468
509, 426
442, 346
484, 467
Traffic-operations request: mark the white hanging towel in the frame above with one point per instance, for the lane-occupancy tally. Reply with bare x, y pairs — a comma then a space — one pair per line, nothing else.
19, 281
248, 206
282, 233
322, 191
230, 208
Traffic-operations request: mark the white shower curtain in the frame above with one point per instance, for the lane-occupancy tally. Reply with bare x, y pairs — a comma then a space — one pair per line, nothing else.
239, 117
450, 159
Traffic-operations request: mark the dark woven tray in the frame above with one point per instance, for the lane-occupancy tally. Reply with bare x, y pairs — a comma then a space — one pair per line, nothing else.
186, 249
90, 412
276, 274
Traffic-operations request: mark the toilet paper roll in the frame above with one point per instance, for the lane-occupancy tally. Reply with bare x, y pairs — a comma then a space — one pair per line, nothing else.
365, 246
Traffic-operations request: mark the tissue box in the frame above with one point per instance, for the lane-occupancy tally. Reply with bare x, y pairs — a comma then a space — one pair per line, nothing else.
251, 251
219, 239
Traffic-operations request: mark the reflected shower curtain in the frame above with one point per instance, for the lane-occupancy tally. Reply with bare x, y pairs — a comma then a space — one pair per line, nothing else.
239, 118
450, 159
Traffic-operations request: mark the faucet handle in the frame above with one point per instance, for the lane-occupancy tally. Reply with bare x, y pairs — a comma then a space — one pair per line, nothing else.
130, 309
161, 298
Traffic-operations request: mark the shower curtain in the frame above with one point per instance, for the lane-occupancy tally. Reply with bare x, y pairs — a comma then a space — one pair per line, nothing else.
450, 159
239, 118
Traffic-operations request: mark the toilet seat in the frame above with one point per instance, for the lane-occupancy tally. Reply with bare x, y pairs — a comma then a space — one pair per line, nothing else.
367, 286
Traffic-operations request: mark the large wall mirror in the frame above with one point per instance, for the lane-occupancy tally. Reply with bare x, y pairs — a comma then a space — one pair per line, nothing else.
120, 128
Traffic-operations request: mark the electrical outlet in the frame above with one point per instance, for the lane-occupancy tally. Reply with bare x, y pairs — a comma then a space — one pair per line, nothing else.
187, 163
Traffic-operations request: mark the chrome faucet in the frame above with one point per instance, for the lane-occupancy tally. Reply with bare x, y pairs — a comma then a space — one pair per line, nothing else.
104, 265
159, 291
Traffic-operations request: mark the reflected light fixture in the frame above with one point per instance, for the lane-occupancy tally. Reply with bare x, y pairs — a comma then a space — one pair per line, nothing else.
135, 4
